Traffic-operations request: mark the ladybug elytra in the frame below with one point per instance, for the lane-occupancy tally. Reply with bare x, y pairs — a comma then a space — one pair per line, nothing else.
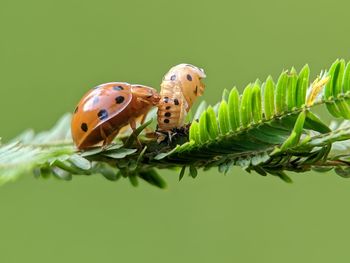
104, 110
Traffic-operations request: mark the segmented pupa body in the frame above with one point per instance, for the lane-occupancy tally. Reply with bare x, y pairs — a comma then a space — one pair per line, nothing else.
179, 89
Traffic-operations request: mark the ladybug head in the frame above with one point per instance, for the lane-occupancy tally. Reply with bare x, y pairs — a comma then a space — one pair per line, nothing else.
145, 94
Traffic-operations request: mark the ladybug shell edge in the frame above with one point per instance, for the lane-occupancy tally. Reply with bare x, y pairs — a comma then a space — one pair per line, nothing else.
98, 106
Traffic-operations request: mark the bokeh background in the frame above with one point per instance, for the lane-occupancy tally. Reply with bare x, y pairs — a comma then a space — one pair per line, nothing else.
52, 52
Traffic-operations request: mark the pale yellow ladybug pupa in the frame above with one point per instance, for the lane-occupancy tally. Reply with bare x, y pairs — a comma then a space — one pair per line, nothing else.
179, 89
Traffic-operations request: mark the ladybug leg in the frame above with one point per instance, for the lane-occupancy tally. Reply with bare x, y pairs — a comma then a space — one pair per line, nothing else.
147, 129
132, 123
143, 119
110, 138
107, 139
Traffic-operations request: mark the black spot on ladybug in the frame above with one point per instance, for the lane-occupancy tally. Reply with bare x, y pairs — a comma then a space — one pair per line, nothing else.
119, 99
76, 109
189, 77
176, 101
167, 114
84, 127
166, 121
118, 88
166, 99
167, 107
196, 90
96, 100
173, 77
102, 114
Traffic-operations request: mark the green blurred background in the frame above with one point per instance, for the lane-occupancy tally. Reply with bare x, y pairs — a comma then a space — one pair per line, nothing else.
52, 52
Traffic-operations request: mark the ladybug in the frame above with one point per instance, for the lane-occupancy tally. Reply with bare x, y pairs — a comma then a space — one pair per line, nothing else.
107, 108
179, 89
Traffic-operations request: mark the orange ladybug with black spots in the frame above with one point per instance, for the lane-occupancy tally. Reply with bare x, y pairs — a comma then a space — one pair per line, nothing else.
107, 108
179, 89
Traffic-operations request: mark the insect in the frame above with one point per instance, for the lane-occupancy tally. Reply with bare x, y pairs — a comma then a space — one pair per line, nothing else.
104, 110
179, 89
